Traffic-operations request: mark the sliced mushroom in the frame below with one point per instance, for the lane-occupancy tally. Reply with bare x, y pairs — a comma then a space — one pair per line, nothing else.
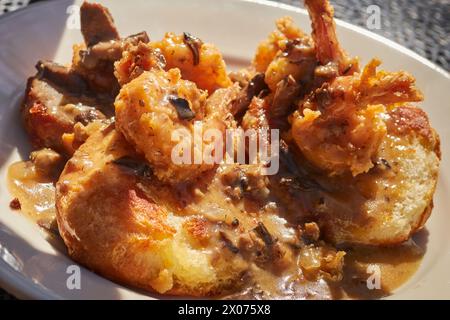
97, 24
61, 76
194, 45
183, 109
255, 87
283, 101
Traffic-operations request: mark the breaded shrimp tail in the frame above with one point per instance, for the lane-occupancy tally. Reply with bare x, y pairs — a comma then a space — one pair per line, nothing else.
339, 126
324, 35
387, 87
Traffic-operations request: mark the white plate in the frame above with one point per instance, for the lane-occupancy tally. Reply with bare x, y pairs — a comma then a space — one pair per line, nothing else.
32, 267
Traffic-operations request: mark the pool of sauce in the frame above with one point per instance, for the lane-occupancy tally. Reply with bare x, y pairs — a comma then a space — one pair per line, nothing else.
35, 193
395, 265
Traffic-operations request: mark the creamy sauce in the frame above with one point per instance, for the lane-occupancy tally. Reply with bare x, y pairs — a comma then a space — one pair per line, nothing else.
35, 192
395, 265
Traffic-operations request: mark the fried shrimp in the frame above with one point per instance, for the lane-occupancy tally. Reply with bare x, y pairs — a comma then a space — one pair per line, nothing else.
199, 62
157, 111
296, 59
295, 63
328, 49
340, 126
137, 59
287, 61
268, 49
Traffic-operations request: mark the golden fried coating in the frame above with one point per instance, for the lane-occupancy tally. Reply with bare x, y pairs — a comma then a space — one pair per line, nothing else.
199, 62
287, 60
256, 115
340, 127
157, 110
137, 59
276, 42
282, 67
